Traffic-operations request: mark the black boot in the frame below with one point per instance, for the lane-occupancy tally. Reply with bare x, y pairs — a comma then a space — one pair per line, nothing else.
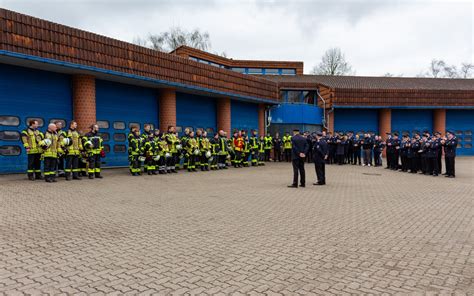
38, 176
31, 177
97, 175
91, 176
75, 176
47, 179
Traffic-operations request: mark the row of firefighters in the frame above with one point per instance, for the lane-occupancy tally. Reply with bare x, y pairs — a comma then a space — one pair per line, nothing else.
75, 155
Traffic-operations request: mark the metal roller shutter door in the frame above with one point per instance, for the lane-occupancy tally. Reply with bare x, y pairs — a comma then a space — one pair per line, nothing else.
408, 121
462, 123
29, 93
356, 120
244, 116
196, 112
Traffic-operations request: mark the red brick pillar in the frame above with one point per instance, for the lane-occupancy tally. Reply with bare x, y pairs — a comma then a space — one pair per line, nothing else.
167, 105
223, 115
330, 120
261, 119
439, 121
83, 94
385, 123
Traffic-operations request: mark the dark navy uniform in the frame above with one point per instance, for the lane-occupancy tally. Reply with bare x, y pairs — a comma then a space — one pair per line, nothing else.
450, 146
320, 154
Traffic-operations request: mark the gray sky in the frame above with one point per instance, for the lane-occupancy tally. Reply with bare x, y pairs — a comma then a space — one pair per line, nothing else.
400, 37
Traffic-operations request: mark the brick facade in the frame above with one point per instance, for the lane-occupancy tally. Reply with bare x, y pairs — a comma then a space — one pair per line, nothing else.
385, 122
224, 115
167, 103
83, 89
261, 119
439, 121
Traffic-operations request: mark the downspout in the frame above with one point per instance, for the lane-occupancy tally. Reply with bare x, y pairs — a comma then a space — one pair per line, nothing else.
324, 110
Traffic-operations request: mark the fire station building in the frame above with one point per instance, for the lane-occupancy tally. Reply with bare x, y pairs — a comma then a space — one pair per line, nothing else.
53, 72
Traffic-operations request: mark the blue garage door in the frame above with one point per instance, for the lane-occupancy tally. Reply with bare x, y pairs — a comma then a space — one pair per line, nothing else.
409, 121
118, 107
356, 120
26, 93
462, 123
244, 116
196, 112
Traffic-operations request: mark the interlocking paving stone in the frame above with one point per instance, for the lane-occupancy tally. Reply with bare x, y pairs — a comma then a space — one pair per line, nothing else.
241, 232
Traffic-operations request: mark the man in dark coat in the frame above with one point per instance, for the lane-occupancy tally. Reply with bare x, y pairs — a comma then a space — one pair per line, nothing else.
299, 149
320, 154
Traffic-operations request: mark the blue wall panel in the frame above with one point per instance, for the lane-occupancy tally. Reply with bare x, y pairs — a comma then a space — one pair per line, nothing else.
412, 120
356, 120
462, 123
28, 93
196, 112
297, 114
244, 116
118, 102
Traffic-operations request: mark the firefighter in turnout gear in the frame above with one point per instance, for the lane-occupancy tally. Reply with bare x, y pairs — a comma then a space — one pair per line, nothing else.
254, 148
246, 151
31, 137
184, 140
72, 146
206, 153
173, 146
193, 153
61, 135
214, 152
92, 143
51, 150
134, 151
222, 152
261, 151
149, 149
287, 147
238, 149
268, 146
147, 131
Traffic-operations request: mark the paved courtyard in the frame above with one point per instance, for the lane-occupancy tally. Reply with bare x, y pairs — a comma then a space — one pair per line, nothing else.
240, 231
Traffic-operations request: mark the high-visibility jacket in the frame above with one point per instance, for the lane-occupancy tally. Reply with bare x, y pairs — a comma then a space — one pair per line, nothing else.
239, 144
268, 142
287, 142
223, 145
191, 145
134, 146
261, 146
205, 144
75, 146
92, 143
149, 147
55, 148
254, 142
30, 139
172, 141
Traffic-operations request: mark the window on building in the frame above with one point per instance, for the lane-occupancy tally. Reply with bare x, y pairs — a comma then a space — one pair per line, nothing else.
295, 96
193, 59
255, 71
9, 136
210, 130
103, 124
458, 133
288, 72
120, 125
190, 128
133, 124
120, 148
179, 129
468, 133
152, 126
467, 139
105, 136
239, 70
54, 120
9, 120
107, 148
120, 137
468, 146
40, 120
10, 150
271, 71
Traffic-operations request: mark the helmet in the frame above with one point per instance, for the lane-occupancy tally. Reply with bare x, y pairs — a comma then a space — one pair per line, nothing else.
47, 142
67, 142
228, 156
179, 147
196, 152
88, 144
156, 158
141, 158
167, 155
211, 158
208, 154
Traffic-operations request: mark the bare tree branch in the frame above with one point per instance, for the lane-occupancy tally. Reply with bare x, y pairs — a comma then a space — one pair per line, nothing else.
333, 63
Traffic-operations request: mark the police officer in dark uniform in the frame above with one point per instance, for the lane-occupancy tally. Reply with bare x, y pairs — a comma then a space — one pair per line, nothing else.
389, 151
432, 155
450, 144
440, 151
299, 149
320, 155
404, 147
